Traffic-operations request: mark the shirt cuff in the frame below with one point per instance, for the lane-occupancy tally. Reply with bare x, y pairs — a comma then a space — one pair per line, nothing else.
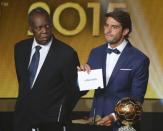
114, 116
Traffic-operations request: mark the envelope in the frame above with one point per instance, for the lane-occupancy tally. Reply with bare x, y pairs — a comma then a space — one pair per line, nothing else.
90, 81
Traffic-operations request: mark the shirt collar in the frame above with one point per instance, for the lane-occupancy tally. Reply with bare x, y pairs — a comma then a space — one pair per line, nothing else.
35, 43
121, 46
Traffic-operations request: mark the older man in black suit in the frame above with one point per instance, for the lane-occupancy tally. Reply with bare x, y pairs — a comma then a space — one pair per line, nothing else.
47, 77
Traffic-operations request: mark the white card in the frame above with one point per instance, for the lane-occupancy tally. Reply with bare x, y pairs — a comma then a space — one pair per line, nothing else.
90, 81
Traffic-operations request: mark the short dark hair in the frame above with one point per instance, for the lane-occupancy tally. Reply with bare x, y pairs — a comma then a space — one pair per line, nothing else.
123, 18
38, 10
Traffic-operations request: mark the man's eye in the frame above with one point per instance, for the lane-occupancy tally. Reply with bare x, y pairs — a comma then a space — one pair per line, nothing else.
38, 28
115, 27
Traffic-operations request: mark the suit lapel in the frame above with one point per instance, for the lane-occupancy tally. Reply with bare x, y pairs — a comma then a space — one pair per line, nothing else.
24, 56
104, 63
27, 54
121, 61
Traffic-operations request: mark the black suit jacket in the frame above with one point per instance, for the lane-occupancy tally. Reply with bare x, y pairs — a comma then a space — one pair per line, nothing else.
55, 91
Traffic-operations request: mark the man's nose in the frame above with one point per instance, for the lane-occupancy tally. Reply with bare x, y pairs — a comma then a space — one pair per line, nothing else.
44, 29
109, 29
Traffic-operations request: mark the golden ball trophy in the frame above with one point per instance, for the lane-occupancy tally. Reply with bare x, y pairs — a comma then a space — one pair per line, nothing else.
128, 112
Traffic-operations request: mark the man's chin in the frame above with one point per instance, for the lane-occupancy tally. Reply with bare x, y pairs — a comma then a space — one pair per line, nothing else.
43, 42
111, 42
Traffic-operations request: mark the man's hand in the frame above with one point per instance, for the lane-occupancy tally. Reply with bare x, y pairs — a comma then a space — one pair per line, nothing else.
85, 67
107, 120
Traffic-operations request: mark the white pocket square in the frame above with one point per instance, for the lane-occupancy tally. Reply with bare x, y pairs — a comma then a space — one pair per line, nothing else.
124, 69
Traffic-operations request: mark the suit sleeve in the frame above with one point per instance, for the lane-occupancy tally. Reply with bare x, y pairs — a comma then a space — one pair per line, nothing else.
16, 62
140, 80
91, 59
70, 77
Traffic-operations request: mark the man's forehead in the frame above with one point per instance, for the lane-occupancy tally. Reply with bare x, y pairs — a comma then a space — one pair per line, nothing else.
111, 20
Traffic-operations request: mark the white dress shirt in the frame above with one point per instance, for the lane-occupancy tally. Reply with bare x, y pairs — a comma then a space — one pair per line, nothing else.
43, 53
111, 59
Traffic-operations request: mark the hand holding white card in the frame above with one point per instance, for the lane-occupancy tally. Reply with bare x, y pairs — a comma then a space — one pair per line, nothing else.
93, 80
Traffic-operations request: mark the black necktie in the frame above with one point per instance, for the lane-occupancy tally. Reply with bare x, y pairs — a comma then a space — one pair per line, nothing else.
116, 51
34, 65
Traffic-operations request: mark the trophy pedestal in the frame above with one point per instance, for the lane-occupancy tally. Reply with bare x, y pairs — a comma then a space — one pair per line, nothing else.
126, 128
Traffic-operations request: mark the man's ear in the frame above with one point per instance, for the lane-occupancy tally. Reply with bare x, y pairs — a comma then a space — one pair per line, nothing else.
125, 31
30, 29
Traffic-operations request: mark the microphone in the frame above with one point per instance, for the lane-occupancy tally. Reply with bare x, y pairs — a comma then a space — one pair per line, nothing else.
94, 116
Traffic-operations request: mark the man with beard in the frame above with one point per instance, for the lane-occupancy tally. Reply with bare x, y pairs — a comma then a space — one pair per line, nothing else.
125, 68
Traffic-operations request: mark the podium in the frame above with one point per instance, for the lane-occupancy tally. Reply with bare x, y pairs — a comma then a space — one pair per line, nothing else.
87, 127
74, 127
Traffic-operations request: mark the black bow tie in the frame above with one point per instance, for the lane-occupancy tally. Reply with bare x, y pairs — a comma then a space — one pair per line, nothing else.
116, 51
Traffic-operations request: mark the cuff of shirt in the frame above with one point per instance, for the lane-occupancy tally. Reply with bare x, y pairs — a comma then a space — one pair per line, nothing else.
114, 116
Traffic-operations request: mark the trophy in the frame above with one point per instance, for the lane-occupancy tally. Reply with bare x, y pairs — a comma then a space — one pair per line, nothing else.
128, 112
